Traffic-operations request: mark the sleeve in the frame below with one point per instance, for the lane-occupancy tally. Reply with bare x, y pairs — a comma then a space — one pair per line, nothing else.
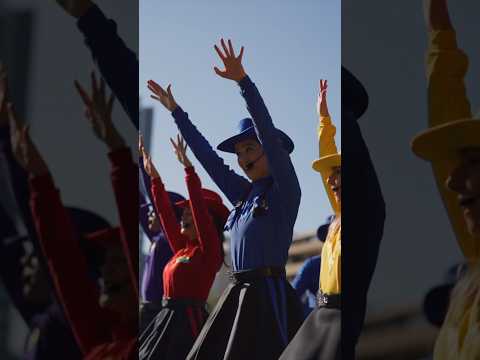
76, 291
168, 220
124, 179
281, 166
301, 281
232, 185
327, 146
207, 233
447, 101
117, 63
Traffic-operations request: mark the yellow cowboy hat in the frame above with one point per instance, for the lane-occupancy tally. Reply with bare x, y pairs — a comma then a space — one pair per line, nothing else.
327, 162
444, 141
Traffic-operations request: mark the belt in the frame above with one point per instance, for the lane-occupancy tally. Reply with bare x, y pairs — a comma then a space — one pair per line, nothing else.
329, 300
243, 276
172, 303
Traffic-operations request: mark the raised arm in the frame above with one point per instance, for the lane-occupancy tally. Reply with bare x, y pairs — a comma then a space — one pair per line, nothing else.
117, 63
326, 139
207, 235
124, 173
279, 161
232, 185
68, 268
164, 208
447, 101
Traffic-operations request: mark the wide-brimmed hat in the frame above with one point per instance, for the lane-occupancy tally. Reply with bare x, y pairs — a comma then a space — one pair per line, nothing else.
327, 162
443, 142
246, 130
322, 230
214, 203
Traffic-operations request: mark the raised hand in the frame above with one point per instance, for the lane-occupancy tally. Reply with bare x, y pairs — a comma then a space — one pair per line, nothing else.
148, 165
322, 108
180, 148
3, 96
436, 15
233, 64
75, 8
98, 110
24, 150
165, 97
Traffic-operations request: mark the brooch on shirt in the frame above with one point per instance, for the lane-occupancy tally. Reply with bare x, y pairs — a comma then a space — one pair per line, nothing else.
260, 208
183, 259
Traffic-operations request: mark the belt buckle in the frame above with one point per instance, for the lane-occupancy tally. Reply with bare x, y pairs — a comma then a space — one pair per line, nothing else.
325, 299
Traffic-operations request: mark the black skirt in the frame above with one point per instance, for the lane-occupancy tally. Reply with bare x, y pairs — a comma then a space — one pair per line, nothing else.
319, 338
148, 311
173, 331
244, 326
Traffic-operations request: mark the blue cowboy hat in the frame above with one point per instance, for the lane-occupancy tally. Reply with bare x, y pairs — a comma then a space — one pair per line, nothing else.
246, 130
354, 95
322, 230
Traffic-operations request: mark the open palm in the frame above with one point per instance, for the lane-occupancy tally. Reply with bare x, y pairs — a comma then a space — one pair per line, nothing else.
233, 64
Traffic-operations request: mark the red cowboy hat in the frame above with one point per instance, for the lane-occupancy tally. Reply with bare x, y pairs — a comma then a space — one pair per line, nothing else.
214, 204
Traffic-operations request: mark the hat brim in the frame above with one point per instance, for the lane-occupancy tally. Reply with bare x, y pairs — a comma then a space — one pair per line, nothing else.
443, 142
327, 162
354, 94
217, 209
228, 145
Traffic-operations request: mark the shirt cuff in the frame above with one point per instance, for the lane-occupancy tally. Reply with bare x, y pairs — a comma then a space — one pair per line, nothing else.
443, 40
245, 83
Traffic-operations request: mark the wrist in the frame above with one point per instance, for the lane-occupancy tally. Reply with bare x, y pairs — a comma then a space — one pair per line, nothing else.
82, 9
241, 76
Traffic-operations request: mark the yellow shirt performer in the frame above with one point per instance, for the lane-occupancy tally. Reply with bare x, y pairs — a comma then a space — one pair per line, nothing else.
322, 335
452, 146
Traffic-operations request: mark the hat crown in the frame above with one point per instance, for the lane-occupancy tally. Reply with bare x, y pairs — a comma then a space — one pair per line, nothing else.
174, 197
245, 124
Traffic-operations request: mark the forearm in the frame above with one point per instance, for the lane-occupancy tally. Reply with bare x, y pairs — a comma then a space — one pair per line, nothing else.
124, 181
231, 184
206, 233
436, 15
167, 215
280, 164
117, 63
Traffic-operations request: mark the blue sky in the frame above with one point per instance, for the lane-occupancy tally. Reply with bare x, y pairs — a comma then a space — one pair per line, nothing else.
289, 46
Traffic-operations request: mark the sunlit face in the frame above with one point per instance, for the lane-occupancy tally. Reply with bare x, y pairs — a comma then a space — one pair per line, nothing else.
334, 181
116, 293
35, 283
252, 160
153, 221
465, 181
187, 225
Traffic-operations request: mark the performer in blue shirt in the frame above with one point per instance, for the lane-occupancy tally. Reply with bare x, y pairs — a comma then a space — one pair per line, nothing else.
259, 311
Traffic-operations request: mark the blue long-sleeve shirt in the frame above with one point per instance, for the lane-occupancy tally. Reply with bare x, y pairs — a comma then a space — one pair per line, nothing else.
254, 241
306, 282
117, 63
